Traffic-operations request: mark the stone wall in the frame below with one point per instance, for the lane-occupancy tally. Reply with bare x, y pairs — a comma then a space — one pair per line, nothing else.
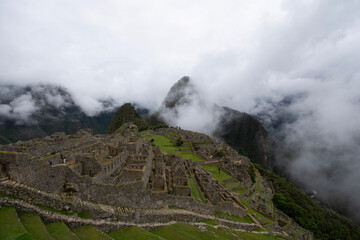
116, 162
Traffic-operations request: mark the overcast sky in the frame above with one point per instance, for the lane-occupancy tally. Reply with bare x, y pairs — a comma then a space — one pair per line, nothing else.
128, 50
238, 53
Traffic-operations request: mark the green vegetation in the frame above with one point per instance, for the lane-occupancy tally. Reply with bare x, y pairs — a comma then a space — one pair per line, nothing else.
255, 236
218, 175
180, 231
89, 233
251, 173
7, 196
221, 232
259, 217
259, 229
233, 218
219, 154
59, 231
211, 222
194, 190
193, 156
309, 213
231, 184
155, 121
9, 152
35, 226
126, 113
179, 142
132, 233
166, 146
85, 214
240, 191
10, 226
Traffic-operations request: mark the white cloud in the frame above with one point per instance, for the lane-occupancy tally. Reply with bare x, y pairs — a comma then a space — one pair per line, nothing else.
119, 49
237, 52
19, 109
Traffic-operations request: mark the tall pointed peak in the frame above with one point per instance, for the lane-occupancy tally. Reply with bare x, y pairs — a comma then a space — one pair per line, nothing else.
180, 93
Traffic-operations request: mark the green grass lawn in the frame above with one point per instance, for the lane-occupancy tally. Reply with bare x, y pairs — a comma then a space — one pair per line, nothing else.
163, 143
193, 156
194, 190
255, 236
233, 218
211, 222
166, 146
214, 170
10, 226
89, 233
132, 233
85, 214
222, 233
59, 231
182, 231
35, 226
231, 185
240, 191
261, 218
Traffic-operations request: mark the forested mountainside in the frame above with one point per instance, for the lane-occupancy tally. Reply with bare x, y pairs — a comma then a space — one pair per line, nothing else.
39, 110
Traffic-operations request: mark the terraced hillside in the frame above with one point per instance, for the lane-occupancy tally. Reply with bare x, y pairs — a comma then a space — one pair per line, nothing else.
20, 225
166, 183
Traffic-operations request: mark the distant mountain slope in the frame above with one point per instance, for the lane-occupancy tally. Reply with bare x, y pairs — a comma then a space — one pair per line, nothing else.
246, 135
247, 131
240, 130
126, 113
39, 110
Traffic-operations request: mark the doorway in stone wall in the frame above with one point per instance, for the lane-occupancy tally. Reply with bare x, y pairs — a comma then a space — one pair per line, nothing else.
3, 171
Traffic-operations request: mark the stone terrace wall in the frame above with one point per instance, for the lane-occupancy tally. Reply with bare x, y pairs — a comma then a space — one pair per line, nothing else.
108, 168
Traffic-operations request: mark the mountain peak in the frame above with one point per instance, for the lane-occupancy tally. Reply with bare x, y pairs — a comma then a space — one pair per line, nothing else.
126, 113
180, 93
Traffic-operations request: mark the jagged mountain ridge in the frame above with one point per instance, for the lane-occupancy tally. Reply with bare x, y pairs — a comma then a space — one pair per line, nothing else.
39, 110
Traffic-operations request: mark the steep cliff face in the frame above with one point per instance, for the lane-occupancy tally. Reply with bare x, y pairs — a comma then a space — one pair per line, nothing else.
245, 134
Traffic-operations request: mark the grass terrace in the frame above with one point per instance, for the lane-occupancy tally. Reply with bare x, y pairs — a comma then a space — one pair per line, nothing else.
181, 231
221, 232
132, 233
211, 222
33, 224
256, 236
10, 226
60, 231
195, 191
227, 216
166, 146
220, 176
89, 233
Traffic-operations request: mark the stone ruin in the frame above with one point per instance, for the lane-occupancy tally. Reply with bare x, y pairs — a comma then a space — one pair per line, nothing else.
121, 175
120, 170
